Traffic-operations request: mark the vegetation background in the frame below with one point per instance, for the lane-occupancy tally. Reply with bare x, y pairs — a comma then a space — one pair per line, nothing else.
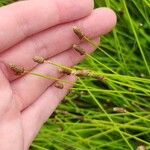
86, 119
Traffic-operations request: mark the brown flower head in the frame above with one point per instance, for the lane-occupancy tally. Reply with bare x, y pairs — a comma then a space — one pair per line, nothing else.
78, 32
79, 49
59, 85
18, 70
38, 59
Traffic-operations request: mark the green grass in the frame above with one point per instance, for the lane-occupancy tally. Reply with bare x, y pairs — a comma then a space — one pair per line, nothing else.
85, 119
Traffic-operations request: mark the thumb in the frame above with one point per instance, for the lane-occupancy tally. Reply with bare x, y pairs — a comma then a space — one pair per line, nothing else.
5, 94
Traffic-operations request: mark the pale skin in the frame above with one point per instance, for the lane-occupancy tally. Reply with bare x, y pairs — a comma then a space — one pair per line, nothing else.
34, 27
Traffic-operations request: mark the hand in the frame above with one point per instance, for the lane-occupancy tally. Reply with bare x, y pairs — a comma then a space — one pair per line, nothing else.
43, 28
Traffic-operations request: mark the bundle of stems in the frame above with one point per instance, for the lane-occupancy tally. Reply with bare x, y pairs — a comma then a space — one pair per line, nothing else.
19, 70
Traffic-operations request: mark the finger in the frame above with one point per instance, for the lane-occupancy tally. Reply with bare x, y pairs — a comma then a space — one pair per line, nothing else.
5, 94
31, 87
40, 111
58, 39
23, 19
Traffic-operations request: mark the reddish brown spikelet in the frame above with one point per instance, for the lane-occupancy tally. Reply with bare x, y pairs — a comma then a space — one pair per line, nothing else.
66, 71
82, 73
101, 78
18, 70
78, 32
59, 85
79, 49
38, 59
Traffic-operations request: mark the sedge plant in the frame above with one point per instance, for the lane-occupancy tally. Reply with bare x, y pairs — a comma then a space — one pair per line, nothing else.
110, 114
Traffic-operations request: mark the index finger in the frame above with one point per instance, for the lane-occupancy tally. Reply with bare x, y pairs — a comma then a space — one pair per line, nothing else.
23, 19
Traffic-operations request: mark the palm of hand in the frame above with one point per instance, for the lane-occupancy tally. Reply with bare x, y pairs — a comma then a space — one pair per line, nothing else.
31, 28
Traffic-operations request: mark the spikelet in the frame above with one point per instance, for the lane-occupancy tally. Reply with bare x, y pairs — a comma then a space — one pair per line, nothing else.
38, 59
79, 49
82, 73
66, 71
78, 32
98, 77
59, 85
18, 70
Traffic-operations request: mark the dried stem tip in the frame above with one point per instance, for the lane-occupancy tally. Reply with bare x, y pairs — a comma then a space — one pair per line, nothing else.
59, 85
78, 32
101, 78
79, 49
38, 59
66, 71
83, 73
119, 110
18, 70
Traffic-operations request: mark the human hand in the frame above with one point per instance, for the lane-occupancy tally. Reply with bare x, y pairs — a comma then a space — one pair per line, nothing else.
44, 28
